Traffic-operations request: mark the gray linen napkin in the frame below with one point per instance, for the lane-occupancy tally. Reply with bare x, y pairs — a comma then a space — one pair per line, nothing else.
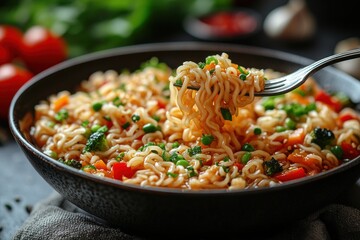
56, 218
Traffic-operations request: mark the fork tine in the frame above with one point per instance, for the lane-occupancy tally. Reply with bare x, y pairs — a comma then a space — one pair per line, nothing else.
276, 83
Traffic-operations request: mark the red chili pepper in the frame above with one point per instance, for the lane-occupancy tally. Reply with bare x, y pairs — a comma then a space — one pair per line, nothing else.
291, 174
327, 99
349, 151
120, 170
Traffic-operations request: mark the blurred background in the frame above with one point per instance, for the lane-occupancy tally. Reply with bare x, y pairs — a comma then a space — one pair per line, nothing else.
45, 32
90, 25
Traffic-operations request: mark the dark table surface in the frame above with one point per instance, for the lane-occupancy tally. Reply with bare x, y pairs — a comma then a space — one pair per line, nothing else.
20, 185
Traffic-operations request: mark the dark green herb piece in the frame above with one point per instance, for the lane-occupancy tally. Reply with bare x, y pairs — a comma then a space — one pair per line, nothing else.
72, 163
242, 76
248, 147
125, 125
225, 112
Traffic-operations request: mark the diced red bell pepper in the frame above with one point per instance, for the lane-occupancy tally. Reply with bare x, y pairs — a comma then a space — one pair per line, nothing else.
291, 174
120, 170
239, 165
349, 151
334, 103
346, 117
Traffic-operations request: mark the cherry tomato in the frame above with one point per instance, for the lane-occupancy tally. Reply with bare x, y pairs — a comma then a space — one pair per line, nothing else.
12, 78
11, 39
5, 55
42, 49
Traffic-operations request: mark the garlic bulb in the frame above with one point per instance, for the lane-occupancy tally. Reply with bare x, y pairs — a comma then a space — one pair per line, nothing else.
352, 66
292, 22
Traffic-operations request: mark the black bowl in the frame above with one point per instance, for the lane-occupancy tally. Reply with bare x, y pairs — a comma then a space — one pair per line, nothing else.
161, 211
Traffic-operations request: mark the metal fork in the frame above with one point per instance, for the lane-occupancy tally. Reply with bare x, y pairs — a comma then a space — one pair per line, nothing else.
291, 81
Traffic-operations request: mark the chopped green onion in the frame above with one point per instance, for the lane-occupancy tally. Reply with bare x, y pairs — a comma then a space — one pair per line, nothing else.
243, 70
117, 102
85, 123
149, 128
63, 114
191, 171
178, 82
207, 139
242, 76
211, 59
135, 118
195, 150
225, 112
173, 175
120, 157
201, 65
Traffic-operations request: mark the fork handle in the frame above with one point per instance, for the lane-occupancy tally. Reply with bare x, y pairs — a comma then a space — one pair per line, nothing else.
315, 66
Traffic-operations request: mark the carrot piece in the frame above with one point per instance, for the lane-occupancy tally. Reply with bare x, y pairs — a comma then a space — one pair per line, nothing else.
296, 137
303, 157
60, 102
210, 66
100, 164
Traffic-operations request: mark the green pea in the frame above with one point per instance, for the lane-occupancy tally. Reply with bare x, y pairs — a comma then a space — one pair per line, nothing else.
183, 163
290, 124
257, 131
280, 129
149, 128
97, 106
337, 151
246, 157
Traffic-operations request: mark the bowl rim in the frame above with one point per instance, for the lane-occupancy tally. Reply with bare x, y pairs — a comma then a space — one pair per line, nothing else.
166, 47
